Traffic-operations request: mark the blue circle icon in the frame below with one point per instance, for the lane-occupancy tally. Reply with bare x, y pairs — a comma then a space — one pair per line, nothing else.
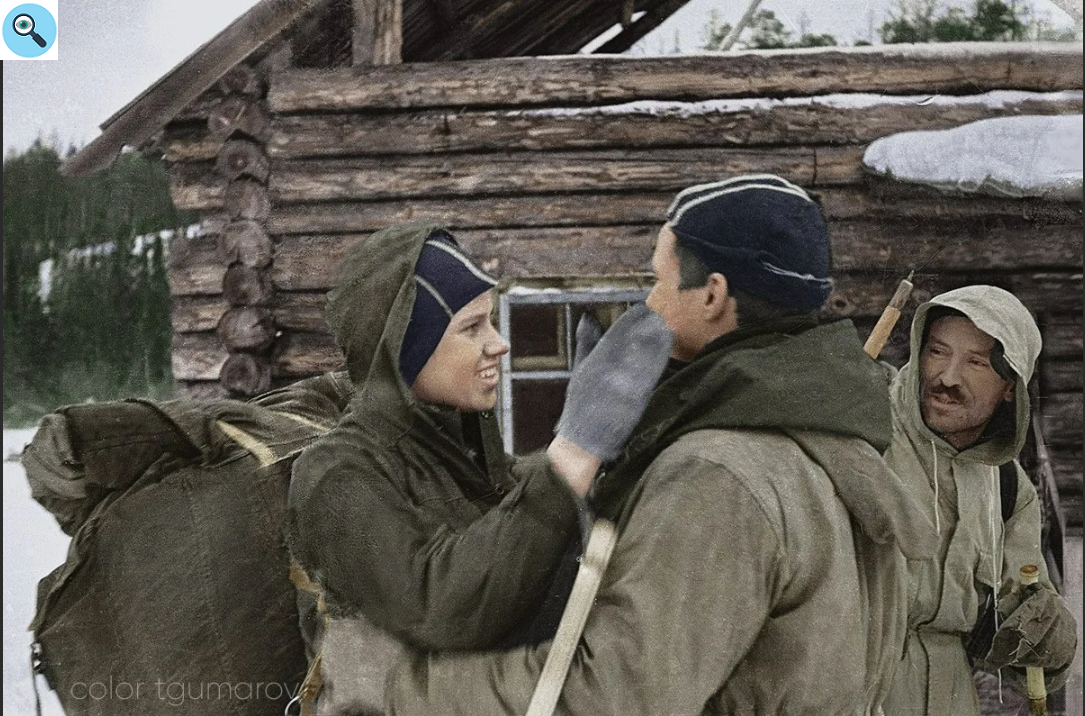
30, 30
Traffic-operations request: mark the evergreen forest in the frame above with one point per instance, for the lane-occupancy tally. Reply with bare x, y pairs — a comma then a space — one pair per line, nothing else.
86, 302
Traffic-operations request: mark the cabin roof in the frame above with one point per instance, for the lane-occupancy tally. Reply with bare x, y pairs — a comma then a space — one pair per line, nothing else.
433, 30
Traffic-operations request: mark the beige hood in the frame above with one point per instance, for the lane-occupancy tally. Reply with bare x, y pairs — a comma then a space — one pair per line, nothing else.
1001, 315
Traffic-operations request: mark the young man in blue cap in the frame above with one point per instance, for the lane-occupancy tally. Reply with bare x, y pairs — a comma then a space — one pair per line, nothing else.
759, 567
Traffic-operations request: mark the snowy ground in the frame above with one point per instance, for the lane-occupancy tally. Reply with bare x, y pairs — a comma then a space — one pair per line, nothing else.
33, 547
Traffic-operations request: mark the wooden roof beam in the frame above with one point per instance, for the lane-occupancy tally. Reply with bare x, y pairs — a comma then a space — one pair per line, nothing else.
197, 73
632, 33
378, 32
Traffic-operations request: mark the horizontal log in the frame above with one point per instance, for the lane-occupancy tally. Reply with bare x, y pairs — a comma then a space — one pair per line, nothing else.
964, 68
634, 126
1060, 376
1062, 336
458, 213
197, 356
195, 186
867, 293
294, 311
982, 245
195, 267
527, 172
645, 207
885, 199
200, 356
193, 314
311, 262
1061, 414
305, 354
1050, 292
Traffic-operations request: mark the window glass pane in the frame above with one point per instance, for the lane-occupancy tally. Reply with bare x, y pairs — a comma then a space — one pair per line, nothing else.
536, 407
537, 337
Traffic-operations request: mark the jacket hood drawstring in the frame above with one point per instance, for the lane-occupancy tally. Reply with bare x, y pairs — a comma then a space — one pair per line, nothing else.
937, 516
994, 516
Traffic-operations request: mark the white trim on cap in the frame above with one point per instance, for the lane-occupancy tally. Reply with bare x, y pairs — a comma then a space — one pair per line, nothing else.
793, 190
463, 260
728, 182
792, 274
433, 292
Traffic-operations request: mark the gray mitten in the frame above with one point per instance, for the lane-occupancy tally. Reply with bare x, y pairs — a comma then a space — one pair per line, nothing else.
609, 389
1038, 630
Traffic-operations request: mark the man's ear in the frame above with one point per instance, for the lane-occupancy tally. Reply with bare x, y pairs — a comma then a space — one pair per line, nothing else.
717, 297
1007, 394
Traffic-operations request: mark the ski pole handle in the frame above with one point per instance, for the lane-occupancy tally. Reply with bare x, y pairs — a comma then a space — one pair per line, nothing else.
878, 337
1037, 691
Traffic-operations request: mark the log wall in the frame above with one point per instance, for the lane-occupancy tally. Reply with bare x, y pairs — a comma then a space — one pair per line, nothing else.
554, 167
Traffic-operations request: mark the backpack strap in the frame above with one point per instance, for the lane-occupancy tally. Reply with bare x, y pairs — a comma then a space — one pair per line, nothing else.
1007, 489
313, 683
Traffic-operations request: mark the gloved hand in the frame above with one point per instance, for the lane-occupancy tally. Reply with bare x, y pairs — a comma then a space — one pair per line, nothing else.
1036, 630
609, 389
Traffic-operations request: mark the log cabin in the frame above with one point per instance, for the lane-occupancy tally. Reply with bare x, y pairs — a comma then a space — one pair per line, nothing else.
306, 125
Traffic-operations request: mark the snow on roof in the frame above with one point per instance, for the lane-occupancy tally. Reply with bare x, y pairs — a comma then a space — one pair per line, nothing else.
1008, 156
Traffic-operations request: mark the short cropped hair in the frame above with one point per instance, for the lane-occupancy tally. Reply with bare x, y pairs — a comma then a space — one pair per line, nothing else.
692, 273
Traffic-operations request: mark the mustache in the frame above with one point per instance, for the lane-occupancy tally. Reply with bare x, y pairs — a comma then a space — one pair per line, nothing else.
950, 392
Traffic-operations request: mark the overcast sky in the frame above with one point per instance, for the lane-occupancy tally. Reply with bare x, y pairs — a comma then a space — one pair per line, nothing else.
111, 50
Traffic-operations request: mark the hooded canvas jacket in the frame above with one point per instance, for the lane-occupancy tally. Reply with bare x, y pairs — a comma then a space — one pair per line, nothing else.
409, 514
758, 568
976, 550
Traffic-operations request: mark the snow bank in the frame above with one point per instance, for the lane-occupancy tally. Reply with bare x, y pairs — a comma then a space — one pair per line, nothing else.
33, 547
1007, 156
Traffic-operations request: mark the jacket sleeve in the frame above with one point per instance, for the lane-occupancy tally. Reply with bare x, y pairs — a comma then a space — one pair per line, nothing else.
687, 592
436, 586
1021, 546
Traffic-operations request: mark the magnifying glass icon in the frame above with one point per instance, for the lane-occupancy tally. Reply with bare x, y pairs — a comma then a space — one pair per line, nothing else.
24, 25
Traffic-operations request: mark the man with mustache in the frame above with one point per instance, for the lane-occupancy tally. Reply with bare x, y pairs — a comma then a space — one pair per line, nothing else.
960, 410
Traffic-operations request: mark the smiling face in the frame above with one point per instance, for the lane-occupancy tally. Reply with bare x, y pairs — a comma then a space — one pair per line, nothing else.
959, 390
463, 371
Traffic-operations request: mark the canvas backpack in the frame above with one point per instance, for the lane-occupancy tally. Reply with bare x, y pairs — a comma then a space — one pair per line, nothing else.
175, 596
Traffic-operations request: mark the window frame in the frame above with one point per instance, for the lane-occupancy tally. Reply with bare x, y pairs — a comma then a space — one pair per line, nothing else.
518, 295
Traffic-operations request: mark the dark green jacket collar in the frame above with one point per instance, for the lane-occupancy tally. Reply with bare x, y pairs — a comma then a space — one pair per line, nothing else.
786, 375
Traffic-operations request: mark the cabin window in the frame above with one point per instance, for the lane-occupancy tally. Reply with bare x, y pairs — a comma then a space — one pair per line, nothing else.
540, 326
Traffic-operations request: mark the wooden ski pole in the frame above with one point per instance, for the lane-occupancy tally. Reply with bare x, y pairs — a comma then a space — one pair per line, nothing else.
1037, 690
878, 337
601, 541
